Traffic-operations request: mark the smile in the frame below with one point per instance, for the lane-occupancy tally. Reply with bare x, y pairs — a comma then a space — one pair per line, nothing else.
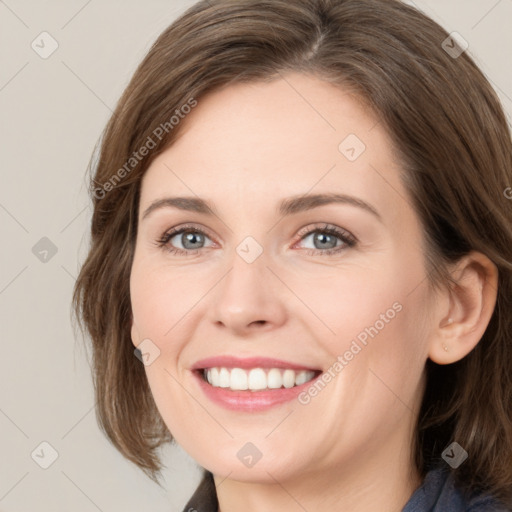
252, 384
256, 379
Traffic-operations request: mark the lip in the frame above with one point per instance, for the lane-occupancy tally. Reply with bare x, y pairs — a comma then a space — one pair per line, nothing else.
247, 400
250, 401
247, 363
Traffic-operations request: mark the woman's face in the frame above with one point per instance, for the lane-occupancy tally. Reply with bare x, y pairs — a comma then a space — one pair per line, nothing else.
258, 276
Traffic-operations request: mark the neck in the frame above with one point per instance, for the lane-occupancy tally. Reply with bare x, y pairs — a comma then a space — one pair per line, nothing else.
365, 485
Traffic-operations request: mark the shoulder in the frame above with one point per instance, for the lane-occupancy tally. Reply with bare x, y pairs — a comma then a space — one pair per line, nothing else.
438, 493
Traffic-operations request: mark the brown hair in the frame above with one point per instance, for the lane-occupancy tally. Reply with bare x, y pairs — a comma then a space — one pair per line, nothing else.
451, 135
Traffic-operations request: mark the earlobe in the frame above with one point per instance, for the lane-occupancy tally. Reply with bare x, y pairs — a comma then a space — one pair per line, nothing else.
134, 332
446, 348
472, 302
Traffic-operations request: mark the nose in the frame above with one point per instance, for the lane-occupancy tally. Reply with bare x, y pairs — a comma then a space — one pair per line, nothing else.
249, 298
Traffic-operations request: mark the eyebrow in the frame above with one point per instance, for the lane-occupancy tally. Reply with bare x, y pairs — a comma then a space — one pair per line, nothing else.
289, 206
190, 204
298, 204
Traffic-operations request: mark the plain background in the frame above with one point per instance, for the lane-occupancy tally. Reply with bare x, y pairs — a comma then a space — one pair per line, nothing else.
52, 112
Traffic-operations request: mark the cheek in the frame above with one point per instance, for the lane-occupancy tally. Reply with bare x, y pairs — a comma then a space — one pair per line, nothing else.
161, 300
374, 311
351, 301
147, 305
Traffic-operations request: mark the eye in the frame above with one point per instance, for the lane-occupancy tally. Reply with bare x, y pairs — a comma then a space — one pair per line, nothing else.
327, 239
186, 240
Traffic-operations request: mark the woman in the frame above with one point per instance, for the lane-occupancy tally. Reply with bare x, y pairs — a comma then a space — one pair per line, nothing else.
301, 226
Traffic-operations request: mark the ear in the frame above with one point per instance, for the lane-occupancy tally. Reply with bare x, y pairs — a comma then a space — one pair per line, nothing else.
134, 332
461, 325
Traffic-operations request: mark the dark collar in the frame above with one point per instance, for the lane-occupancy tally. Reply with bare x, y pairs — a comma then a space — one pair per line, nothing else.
204, 498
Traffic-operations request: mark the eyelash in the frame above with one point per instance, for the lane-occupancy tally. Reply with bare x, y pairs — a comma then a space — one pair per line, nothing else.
348, 240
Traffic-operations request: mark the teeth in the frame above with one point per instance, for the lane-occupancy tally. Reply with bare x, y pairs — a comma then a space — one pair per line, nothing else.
238, 379
274, 379
223, 379
257, 379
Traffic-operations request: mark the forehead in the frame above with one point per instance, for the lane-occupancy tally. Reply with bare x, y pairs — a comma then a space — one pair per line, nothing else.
294, 135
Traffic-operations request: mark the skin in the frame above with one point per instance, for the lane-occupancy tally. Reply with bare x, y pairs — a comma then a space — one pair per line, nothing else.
245, 148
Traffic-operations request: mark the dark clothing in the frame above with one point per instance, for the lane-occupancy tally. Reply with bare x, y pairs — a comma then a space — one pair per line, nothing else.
436, 494
439, 494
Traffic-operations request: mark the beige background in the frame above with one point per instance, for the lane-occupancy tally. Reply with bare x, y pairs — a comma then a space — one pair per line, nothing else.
52, 111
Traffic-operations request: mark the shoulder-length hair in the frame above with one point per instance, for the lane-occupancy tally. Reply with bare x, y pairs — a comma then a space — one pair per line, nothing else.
451, 136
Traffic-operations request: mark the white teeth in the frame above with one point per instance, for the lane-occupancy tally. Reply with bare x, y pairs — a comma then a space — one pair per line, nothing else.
274, 379
256, 379
224, 378
238, 380
289, 378
301, 378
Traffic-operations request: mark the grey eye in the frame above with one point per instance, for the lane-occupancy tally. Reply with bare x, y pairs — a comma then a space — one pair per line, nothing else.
323, 240
189, 240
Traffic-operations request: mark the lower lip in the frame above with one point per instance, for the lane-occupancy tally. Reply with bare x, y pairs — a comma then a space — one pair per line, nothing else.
250, 401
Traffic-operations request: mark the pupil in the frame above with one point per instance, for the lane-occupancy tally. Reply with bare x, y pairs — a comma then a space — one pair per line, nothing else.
322, 238
190, 238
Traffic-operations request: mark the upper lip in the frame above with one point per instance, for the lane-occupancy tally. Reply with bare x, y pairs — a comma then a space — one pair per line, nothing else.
248, 362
